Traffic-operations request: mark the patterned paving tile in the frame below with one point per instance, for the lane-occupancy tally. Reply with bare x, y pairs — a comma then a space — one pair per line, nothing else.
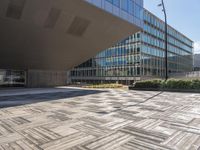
112, 119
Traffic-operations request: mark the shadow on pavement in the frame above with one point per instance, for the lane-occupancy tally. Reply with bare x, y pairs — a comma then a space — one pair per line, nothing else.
17, 100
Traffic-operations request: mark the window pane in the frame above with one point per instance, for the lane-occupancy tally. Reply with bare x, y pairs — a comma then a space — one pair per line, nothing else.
116, 3
124, 4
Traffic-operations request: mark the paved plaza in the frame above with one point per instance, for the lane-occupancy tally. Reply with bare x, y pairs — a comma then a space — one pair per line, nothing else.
109, 119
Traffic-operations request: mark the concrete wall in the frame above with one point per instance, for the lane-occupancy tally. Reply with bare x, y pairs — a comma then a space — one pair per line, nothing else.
38, 78
196, 66
56, 34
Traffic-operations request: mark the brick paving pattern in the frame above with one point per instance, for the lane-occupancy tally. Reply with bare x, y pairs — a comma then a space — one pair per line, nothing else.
113, 119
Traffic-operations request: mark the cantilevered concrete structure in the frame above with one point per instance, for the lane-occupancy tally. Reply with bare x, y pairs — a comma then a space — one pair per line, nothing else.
60, 34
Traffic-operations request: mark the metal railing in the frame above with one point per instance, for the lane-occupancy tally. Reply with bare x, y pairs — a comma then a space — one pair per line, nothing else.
193, 74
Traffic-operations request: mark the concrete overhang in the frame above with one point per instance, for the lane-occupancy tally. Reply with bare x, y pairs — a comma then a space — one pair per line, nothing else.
55, 34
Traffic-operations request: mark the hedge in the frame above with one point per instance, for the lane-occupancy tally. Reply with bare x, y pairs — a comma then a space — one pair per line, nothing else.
169, 84
148, 84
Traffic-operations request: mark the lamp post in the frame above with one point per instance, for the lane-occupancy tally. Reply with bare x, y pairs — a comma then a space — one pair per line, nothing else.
166, 39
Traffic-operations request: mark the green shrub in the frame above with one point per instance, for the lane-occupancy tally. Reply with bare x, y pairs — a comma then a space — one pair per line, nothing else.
169, 84
195, 84
148, 84
177, 84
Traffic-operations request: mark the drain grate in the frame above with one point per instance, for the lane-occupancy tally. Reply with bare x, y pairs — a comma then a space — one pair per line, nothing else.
52, 18
15, 9
78, 26
102, 112
116, 107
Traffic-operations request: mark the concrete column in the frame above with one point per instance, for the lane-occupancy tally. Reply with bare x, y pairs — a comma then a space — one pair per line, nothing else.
41, 78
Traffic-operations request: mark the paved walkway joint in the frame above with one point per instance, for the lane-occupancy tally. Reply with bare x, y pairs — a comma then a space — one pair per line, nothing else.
113, 119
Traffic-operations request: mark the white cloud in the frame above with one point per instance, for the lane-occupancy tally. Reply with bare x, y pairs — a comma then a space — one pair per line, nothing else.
197, 47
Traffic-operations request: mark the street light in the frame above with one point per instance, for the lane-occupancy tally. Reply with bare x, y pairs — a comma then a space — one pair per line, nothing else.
166, 38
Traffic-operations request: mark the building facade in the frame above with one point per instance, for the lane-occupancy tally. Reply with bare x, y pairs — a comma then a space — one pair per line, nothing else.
47, 38
129, 10
140, 56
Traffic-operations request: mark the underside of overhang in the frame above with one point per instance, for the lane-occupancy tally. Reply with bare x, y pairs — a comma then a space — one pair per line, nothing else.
55, 34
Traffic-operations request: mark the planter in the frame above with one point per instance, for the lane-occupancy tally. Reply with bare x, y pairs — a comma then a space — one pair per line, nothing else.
166, 90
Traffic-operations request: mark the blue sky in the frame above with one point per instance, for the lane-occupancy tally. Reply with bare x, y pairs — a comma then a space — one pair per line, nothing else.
183, 15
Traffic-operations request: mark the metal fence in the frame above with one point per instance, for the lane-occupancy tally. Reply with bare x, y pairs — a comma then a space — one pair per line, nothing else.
194, 74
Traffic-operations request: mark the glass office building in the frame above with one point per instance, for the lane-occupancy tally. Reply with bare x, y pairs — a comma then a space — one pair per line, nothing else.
129, 10
140, 56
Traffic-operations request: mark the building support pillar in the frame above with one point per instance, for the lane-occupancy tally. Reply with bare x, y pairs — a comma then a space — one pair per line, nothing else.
46, 78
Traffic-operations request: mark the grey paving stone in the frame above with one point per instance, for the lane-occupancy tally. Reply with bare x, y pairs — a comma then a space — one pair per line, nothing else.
111, 119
